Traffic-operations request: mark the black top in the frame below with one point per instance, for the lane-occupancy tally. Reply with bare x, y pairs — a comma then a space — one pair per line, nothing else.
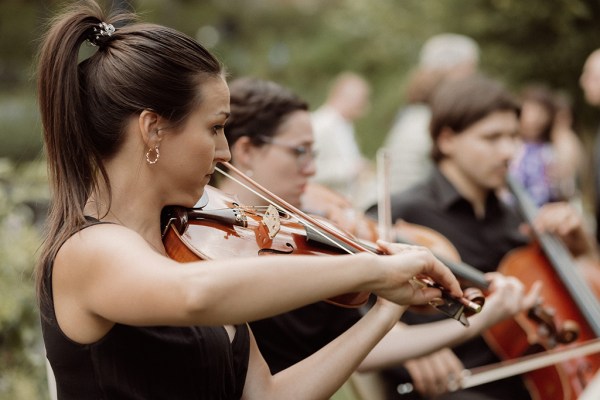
157, 362
288, 338
481, 243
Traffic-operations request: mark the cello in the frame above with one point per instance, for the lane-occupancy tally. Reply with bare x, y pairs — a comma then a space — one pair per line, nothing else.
528, 333
571, 290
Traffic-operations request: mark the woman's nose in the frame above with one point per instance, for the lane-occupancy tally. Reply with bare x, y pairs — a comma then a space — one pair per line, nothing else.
222, 152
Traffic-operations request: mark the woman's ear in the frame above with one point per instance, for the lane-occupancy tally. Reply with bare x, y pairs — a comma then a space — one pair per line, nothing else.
151, 126
242, 153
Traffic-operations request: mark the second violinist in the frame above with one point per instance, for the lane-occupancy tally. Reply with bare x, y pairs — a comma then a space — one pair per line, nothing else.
270, 137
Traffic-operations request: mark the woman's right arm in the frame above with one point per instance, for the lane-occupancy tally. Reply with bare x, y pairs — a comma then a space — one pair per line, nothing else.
108, 274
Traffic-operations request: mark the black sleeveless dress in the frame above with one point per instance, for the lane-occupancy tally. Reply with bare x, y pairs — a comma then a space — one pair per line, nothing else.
159, 362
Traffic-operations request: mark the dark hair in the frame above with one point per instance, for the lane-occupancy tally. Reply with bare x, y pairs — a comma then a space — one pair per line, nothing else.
542, 95
258, 108
84, 105
459, 103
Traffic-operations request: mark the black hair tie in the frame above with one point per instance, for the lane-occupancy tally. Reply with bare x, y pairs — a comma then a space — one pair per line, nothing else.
100, 34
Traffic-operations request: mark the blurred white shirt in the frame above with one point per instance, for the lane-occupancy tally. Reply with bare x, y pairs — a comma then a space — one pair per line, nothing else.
339, 160
409, 146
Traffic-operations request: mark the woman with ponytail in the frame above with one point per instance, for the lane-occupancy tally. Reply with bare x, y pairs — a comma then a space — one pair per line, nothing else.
137, 126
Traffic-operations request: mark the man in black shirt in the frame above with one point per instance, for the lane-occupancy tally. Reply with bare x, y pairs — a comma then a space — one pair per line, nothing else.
474, 129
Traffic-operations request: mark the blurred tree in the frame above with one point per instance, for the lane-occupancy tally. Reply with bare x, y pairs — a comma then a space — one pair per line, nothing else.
17, 41
304, 43
534, 40
23, 197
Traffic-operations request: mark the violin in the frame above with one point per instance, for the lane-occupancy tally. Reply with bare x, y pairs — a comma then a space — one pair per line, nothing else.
224, 228
237, 230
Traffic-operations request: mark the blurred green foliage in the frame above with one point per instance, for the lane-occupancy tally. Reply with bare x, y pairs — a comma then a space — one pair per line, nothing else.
300, 43
305, 43
23, 196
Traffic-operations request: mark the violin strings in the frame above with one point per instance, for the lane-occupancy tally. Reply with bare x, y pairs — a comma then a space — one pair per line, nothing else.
279, 207
299, 215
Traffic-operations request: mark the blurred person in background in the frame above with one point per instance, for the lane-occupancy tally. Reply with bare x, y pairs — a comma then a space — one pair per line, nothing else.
444, 56
549, 158
339, 162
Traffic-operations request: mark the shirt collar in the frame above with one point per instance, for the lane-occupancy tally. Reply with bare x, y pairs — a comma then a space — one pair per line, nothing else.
447, 195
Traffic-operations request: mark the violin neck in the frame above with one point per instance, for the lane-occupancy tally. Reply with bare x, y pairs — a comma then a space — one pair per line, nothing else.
467, 273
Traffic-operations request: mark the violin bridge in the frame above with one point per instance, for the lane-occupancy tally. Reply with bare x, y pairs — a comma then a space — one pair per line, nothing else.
271, 221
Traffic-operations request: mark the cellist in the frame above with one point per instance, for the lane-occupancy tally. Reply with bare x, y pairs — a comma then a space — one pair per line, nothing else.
271, 140
474, 130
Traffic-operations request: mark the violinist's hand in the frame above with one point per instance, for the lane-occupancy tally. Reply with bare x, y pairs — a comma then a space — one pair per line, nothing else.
406, 262
563, 220
436, 373
507, 298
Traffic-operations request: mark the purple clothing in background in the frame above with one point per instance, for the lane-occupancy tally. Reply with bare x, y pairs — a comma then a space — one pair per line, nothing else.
532, 167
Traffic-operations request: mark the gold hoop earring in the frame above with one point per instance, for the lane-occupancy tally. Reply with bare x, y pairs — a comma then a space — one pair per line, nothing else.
156, 157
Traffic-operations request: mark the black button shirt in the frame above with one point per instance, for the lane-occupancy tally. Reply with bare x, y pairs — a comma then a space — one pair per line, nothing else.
481, 243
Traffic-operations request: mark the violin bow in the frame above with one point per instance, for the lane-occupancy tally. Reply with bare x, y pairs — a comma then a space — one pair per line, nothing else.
283, 205
452, 307
504, 369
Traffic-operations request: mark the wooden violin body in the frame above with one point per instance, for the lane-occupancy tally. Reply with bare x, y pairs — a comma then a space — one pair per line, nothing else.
240, 231
224, 229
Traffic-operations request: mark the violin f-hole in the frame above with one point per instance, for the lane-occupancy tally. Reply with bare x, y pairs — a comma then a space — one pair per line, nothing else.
263, 252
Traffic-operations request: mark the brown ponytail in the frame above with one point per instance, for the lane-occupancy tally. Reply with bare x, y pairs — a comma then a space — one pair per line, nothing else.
84, 105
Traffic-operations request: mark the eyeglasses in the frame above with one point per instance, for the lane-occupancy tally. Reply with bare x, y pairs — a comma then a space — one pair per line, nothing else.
304, 154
